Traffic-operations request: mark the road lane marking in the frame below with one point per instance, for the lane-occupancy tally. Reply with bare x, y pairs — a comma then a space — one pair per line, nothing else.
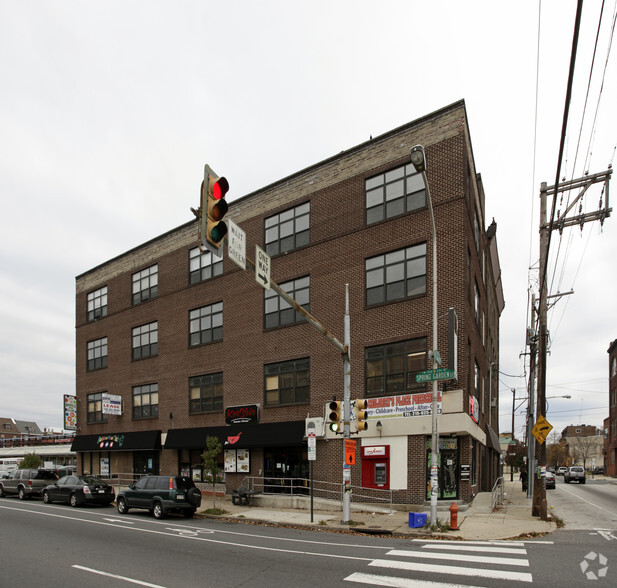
394, 582
117, 577
453, 570
500, 561
488, 549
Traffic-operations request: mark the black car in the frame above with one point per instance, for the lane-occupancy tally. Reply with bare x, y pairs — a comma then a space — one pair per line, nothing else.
161, 495
78, 490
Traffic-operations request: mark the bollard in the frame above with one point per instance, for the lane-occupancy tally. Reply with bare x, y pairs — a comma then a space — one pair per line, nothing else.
454, 517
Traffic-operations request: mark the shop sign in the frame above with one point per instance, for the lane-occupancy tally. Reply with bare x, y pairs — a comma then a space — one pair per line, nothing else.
465, 472
237, 460
374, 450
474, 408
248, 413
110, 441
70, 412
112, 404
403, 406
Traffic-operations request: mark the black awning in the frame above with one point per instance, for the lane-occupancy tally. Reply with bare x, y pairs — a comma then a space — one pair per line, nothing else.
241, 436
140, 440
492, 439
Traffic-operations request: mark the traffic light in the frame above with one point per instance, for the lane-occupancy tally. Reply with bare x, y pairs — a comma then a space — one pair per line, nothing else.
361, 414
334, 416
213, 208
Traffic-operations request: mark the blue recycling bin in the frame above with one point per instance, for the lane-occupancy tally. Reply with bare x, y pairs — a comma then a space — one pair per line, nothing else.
417, 519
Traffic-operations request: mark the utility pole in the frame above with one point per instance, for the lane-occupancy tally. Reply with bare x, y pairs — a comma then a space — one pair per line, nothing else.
512, 443
563, 221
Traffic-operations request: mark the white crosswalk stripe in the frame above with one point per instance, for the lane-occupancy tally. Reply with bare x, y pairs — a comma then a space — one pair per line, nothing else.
490, 560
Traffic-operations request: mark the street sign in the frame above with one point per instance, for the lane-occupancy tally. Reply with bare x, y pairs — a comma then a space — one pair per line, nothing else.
262, 267
438, 374
312, 447
541, 429
236, 244
350, 452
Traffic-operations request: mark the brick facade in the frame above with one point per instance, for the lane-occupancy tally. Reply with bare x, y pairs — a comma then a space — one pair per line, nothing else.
340, 242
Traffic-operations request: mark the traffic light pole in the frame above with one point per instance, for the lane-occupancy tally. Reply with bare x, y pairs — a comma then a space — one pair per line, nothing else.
344, 349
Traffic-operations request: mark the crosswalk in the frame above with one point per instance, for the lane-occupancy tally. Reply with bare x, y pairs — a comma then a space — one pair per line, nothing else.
433, 563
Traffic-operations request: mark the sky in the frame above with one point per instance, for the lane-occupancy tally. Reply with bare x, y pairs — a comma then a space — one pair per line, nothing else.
109, 111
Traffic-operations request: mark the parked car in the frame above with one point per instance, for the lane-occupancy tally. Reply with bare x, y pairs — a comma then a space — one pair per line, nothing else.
550, 480
161, 495
575, 473
598, 470
561, 470
78, 490
26, 483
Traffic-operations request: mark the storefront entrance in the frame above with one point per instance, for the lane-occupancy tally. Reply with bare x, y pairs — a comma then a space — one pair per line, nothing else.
146, 462
286, 469
448, 468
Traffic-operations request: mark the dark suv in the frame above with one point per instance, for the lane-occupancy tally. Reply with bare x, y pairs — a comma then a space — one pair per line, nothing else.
161, 495
27, 482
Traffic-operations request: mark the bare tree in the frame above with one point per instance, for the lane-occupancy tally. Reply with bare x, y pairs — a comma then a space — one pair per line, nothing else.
583, 448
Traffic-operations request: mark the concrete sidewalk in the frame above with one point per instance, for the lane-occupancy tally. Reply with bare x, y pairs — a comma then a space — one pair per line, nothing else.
476, 522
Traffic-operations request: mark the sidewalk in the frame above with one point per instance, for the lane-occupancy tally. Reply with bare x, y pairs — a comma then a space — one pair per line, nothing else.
476, 522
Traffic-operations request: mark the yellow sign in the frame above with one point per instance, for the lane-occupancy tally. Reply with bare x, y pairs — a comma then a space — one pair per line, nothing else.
541, 429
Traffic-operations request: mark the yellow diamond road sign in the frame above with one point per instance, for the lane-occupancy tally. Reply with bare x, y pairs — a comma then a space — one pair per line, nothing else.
541, 429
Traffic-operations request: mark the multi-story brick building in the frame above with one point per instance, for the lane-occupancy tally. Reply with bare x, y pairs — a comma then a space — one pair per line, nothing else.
610, 424
179, 346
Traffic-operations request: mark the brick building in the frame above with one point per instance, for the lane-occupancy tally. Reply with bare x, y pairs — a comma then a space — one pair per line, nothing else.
610, 424
174, 346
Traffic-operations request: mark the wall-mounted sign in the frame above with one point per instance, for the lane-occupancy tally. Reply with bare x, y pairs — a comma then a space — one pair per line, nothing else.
70, 412
474, 408
112, 404
465, 472
405, 405
248, 413
237, 460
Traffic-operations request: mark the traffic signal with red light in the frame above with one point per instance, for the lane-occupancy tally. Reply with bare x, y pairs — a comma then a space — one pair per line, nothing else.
334, 416
213, 208
361, 414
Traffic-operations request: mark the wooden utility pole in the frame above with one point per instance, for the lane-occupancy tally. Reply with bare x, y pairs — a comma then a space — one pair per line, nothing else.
563, 221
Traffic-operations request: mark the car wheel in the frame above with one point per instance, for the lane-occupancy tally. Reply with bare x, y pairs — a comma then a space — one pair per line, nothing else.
188, 512
21, 494
46, 498
123, 507
74, 500
158, 511
2, 493
583, 481
194, 497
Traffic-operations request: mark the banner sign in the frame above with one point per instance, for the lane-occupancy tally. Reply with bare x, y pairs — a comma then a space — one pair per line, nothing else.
112, 404
70, 412
406, 405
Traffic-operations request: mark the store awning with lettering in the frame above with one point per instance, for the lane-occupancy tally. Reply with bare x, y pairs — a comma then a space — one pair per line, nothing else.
136, 441
241, 436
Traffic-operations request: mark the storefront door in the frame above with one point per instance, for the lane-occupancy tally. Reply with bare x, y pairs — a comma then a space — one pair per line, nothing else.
448, 468
286, 469
146, 462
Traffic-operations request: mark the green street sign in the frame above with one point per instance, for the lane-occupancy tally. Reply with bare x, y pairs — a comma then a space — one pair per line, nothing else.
438, 374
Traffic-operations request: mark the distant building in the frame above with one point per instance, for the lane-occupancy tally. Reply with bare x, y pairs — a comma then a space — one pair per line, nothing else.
610, 424
584, 445
174, 345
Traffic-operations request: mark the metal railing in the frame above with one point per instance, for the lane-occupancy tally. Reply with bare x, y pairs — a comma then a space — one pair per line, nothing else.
321, 490
497, 493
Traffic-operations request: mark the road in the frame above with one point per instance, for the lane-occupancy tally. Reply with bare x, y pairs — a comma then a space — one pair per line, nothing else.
56, 545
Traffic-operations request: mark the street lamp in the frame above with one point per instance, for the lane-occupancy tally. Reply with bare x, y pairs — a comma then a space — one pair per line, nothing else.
418, 160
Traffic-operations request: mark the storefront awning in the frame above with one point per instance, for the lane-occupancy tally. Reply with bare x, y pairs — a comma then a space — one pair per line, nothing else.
138, 441
492, 439
241, 436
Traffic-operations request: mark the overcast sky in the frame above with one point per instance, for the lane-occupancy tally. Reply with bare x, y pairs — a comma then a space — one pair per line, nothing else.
109, 111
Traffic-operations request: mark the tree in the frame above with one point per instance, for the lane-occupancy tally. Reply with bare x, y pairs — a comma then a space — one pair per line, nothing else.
583, 448
556, 453
30, 460
208, 457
